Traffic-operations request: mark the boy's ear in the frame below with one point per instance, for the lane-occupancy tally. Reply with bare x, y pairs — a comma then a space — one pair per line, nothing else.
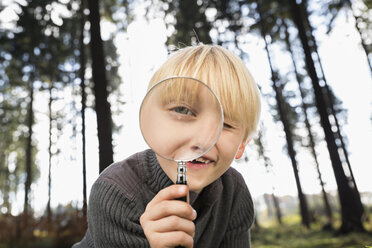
242, 146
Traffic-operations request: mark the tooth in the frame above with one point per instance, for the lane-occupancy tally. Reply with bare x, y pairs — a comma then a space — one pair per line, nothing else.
202, 160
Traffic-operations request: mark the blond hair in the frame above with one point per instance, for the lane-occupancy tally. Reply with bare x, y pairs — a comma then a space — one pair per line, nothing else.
225, 74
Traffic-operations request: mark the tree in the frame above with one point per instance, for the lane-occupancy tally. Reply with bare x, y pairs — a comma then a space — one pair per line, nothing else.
13, 117
44, 52
100, 85
286, 125
34, 66
351, 211
311, 138
331, 100
83, 101
30, 118
49, 211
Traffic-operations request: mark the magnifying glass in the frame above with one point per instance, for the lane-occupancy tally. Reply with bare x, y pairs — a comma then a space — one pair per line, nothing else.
181, 119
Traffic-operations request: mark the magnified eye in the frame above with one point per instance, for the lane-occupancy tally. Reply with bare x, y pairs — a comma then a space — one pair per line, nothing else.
228, 126
183, 110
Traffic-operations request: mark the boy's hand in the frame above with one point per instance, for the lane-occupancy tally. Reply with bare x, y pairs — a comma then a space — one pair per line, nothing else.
167, 222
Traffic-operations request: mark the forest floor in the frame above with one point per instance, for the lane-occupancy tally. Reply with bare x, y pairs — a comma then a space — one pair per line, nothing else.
291, 234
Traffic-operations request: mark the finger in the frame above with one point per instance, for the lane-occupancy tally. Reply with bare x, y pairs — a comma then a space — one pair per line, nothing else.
174, 239
171, 207
174, 223
169, 193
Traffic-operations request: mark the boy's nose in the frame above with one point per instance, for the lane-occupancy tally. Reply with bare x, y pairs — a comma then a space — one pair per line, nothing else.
204, 140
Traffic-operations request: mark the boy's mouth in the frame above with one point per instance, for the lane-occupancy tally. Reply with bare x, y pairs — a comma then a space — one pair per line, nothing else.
199, 163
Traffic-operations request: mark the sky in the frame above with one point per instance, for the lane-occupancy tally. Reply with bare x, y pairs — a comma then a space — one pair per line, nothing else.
142, 50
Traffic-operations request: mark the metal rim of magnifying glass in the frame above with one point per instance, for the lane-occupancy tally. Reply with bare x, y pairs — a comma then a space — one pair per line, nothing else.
199, 81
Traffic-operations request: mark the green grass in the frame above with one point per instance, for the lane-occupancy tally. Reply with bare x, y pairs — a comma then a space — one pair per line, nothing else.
292, 235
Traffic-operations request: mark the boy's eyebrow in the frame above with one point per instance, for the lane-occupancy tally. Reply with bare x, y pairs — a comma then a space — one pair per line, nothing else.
178, 93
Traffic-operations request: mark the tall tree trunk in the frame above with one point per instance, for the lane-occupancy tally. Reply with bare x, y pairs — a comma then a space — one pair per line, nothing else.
102, 106
49, 211
30, 121
83, 103
329, 95
331, 103
288, 135
350, 210
30, 118
327, 206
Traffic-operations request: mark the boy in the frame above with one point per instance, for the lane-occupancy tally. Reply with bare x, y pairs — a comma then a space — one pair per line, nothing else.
133, 202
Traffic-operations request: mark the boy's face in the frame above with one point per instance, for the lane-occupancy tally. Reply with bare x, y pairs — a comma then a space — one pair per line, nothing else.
214, 163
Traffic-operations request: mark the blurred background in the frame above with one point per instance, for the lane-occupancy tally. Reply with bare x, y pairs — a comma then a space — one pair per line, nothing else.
73, 74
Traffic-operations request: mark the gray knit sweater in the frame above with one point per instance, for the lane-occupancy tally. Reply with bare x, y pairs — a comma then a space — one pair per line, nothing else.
120, 195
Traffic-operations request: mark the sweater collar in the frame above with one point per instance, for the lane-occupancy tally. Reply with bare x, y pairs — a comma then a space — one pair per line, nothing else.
156, 177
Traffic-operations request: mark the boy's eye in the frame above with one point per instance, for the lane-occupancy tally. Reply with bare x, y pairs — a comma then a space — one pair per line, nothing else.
183, 111
226, 125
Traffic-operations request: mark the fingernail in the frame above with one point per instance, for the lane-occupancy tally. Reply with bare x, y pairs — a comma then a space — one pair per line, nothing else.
182, 189
194, 214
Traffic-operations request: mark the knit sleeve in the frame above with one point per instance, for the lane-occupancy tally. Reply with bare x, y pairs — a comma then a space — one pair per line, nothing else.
113, 219
238, 231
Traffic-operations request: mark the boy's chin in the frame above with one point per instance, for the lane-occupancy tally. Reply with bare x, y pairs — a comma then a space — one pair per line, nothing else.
197, 186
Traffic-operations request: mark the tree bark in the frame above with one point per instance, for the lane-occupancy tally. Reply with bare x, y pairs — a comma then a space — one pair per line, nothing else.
100, 85
350, 207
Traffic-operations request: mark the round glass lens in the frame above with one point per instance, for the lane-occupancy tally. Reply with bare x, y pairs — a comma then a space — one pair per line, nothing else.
181, 118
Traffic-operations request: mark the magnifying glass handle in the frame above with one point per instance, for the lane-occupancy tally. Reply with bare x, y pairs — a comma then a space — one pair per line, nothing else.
181, 176
181, 179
